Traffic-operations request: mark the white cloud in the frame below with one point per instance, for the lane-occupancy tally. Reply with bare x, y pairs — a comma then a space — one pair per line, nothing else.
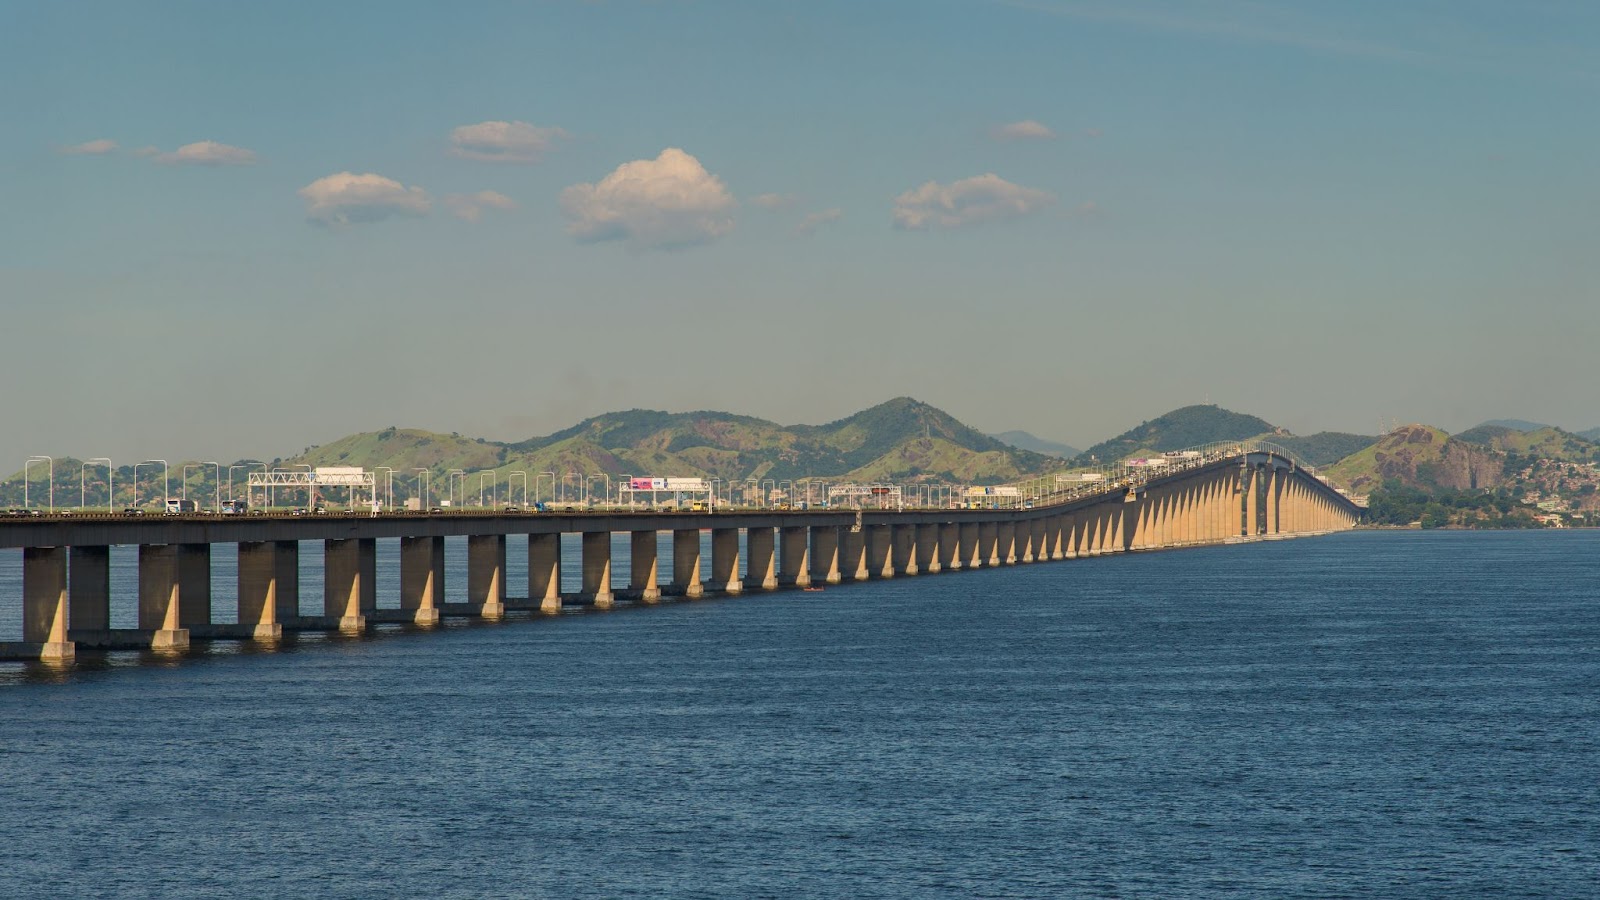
986, 198
346, 198
505, 142
91, 148
663, 203
1026, 130
809, 225
773, 201
208, 153
470, 207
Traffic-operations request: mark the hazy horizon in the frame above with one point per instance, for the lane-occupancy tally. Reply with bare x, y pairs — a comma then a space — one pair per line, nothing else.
235, 231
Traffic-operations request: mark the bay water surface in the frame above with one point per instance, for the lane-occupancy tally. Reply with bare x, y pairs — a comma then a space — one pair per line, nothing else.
1370, 714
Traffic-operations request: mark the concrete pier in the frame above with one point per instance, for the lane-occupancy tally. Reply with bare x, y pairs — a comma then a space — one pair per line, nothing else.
158, 597
349, 586
905, 550
794, 563
596, 587
761, 545
880, 551
853, 554
825, 555
544, 572
422, 578
725, 561
970, 557
1006, 543
950, 547
686, 580
927, 555
486, 574
259, 607
644, 577
45, 603
989, 544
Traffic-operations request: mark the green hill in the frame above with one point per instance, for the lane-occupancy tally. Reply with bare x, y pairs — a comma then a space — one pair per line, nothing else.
1593, 434
1420, 456
902, 439
1190, 426
1514, 424
1545, 442
1323, 448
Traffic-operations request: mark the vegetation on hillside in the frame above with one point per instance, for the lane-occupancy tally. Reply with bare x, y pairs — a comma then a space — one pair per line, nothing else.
1547, 443
1396, 503
1323, 448
1419, 456
1189, 426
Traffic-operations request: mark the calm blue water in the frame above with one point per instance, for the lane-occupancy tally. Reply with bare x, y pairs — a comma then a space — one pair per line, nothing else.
1364, 715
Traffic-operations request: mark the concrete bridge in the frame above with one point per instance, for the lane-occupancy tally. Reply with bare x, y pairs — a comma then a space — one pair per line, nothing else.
1226, 495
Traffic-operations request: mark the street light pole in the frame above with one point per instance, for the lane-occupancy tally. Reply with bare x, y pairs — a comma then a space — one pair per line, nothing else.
52, 485
422, 487
83, 481
390, 479
166, 480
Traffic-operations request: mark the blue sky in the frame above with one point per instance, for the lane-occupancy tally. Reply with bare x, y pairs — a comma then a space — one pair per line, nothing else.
232, 230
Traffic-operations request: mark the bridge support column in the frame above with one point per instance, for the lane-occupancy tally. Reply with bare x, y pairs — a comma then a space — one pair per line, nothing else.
421, 578
686, 564
544, 572
1252, 503
1139, 530
1069, 534
950, 547
725, 561
644, 566
989, 543
89, 588
928, 549
795, 563
597, 568
158, 597
905, 550
486, 574
762, 546
1022, 534
45, 604
970, 557
1006, 535
287, 566
880, 551
194, 584
259, 608
853, 554
1167, 533
1055, 531
349, 570
1273, 501
825, 554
